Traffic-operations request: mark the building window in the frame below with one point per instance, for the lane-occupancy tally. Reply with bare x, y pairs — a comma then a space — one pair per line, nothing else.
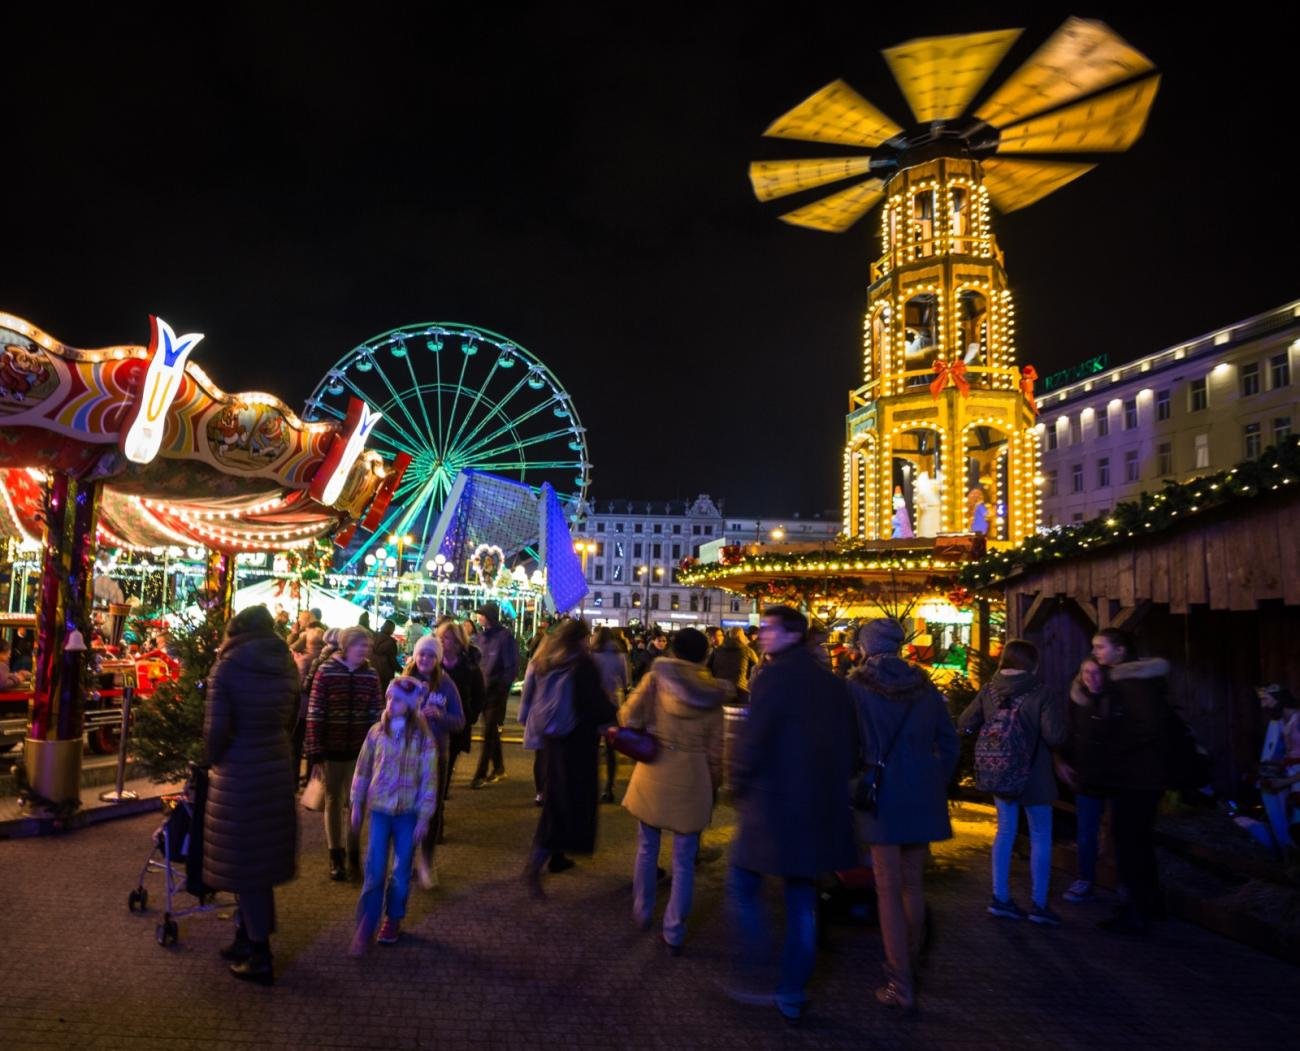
1076, 430
616, 573
1164, 459
636, 527
618, 527
1279, 367
708, 530
600, 527
695, 530
1130, 414
1103, 422
1200, 398
618, 599
600, 549
695, 603
1281, 429
1103, 472
675, 603
659, 528
656, 551
677, 552
636, 600
636, 550
1076, 518
619, 549
1202, 451
1164, 409
707, 602
1132, 472
600, 572
1076, 478
1051, 483
598, 598
1250, 379
1052, 438
677, 529
1251, 432
654, 600
735, 605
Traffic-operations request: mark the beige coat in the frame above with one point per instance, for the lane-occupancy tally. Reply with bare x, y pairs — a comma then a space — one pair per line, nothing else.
681, 704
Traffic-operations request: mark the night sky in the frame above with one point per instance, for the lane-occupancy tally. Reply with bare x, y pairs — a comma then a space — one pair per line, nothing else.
291, 183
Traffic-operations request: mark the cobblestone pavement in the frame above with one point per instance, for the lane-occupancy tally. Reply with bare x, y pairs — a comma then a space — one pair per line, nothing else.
481, 965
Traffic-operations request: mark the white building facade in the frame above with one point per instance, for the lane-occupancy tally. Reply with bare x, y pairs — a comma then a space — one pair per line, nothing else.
1185, 411
639, 547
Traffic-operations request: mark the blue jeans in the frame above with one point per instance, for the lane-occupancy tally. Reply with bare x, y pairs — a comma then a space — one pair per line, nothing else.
1088, 833
644, 878
397, 831
800, 931
1040, 848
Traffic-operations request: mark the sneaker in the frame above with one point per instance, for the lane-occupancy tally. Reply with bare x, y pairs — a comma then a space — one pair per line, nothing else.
389, 931
1008, 909
1078, 892
478, 782
496, 778
1044, 916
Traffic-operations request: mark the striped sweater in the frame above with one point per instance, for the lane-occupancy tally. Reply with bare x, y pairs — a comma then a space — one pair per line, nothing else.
343, 706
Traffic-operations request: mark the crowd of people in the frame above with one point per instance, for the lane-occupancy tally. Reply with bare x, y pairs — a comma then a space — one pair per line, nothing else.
837, 766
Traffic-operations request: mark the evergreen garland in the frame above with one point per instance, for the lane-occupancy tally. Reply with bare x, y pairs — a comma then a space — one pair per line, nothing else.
167, 726
1275, 470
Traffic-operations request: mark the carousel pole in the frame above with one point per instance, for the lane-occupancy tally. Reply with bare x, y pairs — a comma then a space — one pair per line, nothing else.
220, 580
52, 750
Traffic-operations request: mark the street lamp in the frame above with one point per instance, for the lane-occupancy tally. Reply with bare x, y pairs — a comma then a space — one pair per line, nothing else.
584, 548
399, 541
778, 534
375, 563
440, 567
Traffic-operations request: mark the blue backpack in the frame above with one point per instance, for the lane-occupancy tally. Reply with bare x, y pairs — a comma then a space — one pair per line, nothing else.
1003, 755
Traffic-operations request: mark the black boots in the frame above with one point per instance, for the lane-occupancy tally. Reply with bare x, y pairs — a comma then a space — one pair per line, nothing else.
354, 865
257, 968
240, 949
337, 872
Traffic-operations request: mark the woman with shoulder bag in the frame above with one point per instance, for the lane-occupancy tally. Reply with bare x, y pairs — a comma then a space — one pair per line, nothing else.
681, 703
908, 734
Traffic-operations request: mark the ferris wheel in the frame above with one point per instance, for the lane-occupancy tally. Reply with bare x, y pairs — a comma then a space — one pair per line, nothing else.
453, 397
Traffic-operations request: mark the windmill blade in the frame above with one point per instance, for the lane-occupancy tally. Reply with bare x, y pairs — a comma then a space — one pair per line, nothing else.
839, 211
1109, 122
1019, 183
1081, 57
836, 113
773, 179
939, 75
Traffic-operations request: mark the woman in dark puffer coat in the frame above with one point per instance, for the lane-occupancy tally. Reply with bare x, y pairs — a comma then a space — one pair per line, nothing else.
250, 826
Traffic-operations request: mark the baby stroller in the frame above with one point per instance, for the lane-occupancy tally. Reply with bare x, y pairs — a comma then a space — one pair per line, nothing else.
177, 853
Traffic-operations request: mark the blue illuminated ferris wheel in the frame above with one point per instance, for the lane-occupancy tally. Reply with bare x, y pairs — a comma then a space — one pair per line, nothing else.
453, 397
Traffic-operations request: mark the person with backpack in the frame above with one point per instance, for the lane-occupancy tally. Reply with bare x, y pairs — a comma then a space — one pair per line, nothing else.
1019, 722
910, 749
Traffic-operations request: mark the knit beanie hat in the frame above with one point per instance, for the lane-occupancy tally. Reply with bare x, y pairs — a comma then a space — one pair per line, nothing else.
884, 635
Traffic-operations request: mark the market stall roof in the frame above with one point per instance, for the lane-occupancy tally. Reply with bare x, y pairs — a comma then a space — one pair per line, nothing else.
336, 611
182, 461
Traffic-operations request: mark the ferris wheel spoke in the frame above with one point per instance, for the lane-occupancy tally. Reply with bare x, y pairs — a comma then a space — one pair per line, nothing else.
498, 410
337, 414
394, 443
398, 400
419, 399
521, 443
509, 425
455, 402
437, 364
532, 465
478, 399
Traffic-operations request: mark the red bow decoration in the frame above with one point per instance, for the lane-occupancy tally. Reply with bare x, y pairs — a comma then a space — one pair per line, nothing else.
1027, 377
946, 372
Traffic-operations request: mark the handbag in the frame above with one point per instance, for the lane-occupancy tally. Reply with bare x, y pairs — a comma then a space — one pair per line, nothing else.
313, 796
866, 791
640, 745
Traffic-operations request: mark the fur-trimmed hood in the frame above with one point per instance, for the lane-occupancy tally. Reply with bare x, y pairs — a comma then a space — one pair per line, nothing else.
1151, 668
893, 677
686, 689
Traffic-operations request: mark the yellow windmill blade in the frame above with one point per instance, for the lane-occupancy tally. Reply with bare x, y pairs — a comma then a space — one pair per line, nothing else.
1081, 57
836, 113
939, 75
839, 211
1109, 122
773, 179
1015, 184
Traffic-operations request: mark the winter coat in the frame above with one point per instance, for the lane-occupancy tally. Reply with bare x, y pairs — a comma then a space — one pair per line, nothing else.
1042, 717
250, 823
470, 686
733, 661
681, 704
615, 674
344, 705
912, 805
794, 757
1122, 734
569, 768
384, 658
447, 719
500, 658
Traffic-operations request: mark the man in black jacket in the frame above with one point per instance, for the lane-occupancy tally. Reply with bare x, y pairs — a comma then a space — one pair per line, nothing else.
500, 664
